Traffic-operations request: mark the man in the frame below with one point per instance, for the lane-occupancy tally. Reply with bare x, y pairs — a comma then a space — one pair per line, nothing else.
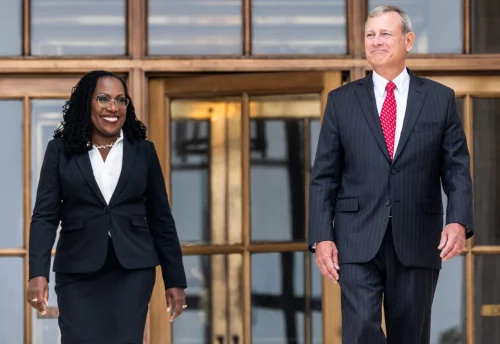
387, 142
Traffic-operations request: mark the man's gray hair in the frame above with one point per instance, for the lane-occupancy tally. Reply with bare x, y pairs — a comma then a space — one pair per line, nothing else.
405, 20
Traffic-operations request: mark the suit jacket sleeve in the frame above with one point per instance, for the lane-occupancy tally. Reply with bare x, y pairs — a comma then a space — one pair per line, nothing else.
455, 170
325, 177
45, 218
162, 225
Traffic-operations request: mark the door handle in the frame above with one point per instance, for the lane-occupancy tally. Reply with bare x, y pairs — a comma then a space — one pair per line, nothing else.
220, 339
236, 340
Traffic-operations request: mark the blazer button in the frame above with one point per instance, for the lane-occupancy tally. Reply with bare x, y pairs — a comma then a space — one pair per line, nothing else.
387, 202
106, 210
393, 171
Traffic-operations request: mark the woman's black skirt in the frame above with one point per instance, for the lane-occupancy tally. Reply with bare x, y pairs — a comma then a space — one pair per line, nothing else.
108, 306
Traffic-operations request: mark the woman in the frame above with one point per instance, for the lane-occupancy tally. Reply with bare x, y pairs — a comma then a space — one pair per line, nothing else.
101, 179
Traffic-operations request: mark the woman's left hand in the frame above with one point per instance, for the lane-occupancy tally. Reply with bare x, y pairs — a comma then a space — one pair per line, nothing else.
176, 302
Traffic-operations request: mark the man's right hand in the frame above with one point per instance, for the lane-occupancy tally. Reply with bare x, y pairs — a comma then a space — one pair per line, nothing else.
327, 259
38, 294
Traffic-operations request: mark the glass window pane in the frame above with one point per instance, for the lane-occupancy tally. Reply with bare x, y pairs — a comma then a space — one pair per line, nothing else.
209, 310
46, 330
430, 17
485, 25
190, 154
448, 310
277, 179
11, 173
303, 27
278, 297
194, 27
277, 164
11, 313
11, 35
486, 125
74, 27
487, 285
46, 116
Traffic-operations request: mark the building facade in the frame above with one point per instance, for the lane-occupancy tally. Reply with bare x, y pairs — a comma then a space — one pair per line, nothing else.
232, 93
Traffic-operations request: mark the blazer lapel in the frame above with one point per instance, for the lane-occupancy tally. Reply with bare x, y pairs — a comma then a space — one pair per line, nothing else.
129, 153
366, 97
416, 97
83, 162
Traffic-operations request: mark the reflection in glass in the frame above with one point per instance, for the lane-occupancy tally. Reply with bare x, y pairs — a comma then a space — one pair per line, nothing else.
207, 300
277, 164
11, 35
277, 179
316, 294
11, 314
11, 174
315, 130
298, 27
278, 304
190, 154
484, 17
46, 116
74, 27
448, 309
195, 323
194, 27
486, 125
487, 286
46, 331
430, 17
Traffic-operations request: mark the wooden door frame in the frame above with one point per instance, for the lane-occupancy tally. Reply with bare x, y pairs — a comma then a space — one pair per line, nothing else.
244, 85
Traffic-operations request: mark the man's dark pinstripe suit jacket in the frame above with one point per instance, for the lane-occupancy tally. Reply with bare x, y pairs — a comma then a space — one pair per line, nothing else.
355, 186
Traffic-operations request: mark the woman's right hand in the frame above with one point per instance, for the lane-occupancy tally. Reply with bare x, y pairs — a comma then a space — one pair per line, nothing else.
38, 294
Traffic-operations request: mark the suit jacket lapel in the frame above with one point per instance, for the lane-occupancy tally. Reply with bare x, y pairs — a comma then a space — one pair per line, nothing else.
366, 97
83, 162
416, 96
129, 153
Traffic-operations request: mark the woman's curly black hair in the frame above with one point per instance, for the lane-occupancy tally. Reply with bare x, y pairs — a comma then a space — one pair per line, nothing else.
76, 129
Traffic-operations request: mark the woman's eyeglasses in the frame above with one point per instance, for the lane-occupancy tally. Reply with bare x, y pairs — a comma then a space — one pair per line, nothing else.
105, 102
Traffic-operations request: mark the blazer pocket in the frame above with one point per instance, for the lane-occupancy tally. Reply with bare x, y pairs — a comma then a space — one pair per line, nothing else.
432, 206
71, 224
346, 205
139, 221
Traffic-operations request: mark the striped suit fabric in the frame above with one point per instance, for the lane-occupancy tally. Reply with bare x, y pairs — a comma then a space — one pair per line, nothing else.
388, 214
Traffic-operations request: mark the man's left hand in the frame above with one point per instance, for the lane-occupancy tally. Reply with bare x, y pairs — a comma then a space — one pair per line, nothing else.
176, 301
452, 241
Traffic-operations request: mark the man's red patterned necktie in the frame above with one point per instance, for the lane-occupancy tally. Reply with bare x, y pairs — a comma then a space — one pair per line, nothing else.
388, 118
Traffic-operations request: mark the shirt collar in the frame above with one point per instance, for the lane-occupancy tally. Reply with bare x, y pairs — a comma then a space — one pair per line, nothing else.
402, 81
120, 138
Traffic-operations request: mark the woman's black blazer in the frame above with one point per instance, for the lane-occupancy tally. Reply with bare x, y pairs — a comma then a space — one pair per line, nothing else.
138, 216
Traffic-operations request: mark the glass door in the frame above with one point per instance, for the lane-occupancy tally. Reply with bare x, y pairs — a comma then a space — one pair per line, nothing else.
237, 151
467, 302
